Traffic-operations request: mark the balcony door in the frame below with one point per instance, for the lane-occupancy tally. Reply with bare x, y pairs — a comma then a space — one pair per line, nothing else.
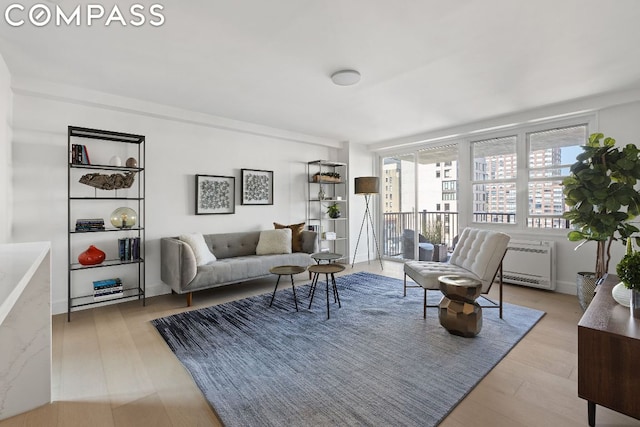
420, 203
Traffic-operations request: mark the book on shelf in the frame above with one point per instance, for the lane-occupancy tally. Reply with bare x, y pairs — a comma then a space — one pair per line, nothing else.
98, 284
108, 290
89, 224
108, 295
129, 248
79, 154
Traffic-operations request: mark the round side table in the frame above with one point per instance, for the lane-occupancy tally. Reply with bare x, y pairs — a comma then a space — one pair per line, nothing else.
459, 313
325, 256
329, 257
327, 270
286, 270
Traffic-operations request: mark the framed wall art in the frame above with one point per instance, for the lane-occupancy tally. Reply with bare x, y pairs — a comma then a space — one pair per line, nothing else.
215, 194
257, 187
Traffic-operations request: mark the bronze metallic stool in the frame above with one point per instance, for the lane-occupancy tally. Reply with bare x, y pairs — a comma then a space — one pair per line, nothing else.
459, 313
327, 270
286, 270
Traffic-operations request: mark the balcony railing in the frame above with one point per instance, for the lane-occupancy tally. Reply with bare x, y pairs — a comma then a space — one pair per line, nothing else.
442, 227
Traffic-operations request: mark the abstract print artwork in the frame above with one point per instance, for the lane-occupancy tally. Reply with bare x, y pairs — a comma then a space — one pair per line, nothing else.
257, 187
215, 194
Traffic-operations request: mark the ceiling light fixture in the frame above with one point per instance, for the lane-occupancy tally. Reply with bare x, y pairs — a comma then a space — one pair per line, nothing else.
345, 77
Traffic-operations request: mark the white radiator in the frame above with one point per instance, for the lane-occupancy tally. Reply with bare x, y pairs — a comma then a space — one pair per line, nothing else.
530, 263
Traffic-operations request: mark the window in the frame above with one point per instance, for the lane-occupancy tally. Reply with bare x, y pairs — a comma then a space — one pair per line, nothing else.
494, 179
437, 174
551, 153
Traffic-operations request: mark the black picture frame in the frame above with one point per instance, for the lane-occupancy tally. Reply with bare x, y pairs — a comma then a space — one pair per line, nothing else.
257, 187
215, 194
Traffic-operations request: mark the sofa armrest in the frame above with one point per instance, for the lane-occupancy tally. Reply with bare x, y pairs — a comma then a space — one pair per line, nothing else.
178, 263
309, 241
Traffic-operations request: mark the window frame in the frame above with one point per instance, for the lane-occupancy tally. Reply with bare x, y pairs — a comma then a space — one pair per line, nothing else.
522, 180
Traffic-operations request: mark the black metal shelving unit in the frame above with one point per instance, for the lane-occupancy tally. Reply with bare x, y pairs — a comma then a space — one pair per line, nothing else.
80, 290
317, 205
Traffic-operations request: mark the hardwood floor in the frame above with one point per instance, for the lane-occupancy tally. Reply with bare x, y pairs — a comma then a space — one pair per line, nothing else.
111, 368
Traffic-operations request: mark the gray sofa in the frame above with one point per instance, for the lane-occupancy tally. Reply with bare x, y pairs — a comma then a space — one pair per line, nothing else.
236, 261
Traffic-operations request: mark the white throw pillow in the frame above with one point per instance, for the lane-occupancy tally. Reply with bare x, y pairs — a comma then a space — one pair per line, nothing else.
274, 242
199, 246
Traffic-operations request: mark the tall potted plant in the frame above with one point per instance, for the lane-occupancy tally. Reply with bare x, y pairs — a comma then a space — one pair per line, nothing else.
602, 199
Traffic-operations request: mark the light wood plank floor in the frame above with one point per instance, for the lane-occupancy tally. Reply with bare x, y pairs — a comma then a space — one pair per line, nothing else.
111, 368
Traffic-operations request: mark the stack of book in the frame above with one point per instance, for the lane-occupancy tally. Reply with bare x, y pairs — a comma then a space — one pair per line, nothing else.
92, 224
79, 155
107, 289
129, 248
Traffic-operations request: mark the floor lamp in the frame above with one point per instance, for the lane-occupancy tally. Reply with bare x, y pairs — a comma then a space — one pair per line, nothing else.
367, 185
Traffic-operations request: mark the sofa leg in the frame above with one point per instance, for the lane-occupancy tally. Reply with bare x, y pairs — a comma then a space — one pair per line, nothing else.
189, 299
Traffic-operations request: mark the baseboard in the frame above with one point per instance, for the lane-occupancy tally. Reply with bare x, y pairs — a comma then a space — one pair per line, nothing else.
569, 288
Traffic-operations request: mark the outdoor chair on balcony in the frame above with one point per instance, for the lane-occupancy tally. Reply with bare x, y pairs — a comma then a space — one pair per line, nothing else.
425, 248
478, 255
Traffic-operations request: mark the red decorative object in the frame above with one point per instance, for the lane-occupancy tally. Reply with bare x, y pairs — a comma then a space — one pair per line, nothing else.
91, 256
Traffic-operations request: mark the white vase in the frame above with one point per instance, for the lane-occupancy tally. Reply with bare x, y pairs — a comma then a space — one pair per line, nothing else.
115, 161
621, 294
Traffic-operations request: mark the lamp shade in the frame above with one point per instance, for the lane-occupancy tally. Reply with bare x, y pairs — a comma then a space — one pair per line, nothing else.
367, 185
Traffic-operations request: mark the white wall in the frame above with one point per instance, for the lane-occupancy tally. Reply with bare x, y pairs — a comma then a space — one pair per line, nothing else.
6, 108
176, 150
361, 163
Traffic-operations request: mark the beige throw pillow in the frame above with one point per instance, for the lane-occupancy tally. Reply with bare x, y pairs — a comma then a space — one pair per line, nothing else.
274, 242
199, 247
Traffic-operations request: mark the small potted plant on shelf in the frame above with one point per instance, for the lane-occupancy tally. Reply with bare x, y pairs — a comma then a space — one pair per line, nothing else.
602, 199
628, 270
334, 211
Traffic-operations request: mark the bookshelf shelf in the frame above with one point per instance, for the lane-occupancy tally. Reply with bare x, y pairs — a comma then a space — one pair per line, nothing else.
89, 210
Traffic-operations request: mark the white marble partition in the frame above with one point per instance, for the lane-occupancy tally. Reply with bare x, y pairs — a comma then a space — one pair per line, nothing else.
25, 327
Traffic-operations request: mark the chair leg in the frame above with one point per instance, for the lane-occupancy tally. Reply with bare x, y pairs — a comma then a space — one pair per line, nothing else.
189, 299
405, 285
500, 291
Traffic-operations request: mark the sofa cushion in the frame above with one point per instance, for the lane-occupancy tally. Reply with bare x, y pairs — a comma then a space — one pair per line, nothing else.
200, 249
274, 242
296, 235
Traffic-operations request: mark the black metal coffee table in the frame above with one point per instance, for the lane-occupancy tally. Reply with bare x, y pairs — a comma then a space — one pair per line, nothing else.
286, 270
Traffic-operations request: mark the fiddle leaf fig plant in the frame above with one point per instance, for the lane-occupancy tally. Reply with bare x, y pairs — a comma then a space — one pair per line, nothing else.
601, 195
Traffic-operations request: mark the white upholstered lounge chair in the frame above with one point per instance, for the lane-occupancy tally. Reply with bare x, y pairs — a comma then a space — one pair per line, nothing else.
478, 255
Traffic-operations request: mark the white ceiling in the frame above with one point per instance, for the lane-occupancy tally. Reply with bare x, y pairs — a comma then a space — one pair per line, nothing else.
425, 65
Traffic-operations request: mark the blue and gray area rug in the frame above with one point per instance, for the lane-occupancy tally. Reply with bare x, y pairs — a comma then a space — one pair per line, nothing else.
376, 362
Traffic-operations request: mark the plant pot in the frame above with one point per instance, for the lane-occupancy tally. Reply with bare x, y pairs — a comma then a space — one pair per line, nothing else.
635, 303
586, 287
621, 294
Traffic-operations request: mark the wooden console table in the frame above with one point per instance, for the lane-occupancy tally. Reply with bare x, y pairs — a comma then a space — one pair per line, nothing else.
608, 355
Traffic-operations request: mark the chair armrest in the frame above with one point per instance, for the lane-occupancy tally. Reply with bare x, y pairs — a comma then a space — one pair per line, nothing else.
178, 263
309, 241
